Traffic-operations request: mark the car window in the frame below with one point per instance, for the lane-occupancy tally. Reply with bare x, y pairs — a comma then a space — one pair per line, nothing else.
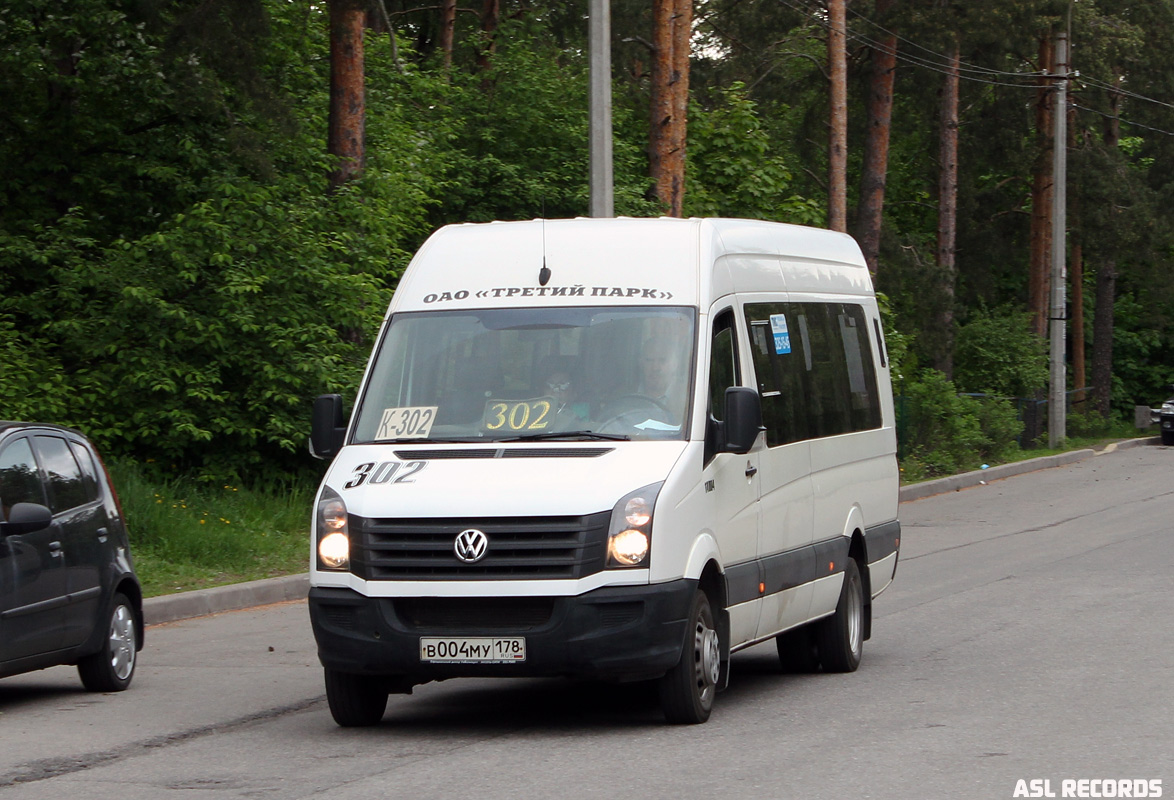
89, 473
19, 480
66, 489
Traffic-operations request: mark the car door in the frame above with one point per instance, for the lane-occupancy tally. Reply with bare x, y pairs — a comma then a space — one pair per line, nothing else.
80, 521
731, 481
33, 592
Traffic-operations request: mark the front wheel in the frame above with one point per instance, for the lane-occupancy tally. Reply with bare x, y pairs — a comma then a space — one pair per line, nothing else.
356, 701
840, 637
1168, 437
687, 690
111, 668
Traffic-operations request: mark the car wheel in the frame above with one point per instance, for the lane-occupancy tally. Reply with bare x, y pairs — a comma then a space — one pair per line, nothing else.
112, 667
797, 651
687, 690
356, 701
1168, 437
840, 637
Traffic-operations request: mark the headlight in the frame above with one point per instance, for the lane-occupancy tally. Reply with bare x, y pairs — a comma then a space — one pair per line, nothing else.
334, 544
1168, 408
630, 537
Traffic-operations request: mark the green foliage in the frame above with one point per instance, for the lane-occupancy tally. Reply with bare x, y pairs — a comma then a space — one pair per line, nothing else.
998, 353
187, 534
731, 172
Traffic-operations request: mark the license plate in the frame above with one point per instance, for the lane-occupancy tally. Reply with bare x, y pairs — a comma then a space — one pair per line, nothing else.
473, 650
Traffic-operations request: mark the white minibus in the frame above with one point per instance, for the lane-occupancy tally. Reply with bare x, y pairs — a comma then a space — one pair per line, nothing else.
620, 449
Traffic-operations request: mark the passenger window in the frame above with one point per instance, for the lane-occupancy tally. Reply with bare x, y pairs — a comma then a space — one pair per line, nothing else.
66, 490
89, 473
813, 363
19, 480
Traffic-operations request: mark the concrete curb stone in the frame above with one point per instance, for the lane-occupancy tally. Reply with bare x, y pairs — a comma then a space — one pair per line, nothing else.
202, 602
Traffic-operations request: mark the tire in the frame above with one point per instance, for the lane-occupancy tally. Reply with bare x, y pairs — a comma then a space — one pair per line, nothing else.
356, 701
1168, 437
112, 668
797, 651
840, 637
687, 690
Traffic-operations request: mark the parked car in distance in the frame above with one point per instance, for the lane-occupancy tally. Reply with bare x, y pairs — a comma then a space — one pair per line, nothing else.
1164, 416
68, 590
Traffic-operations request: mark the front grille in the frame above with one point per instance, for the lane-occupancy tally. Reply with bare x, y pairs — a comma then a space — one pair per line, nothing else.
519, 548
474, 614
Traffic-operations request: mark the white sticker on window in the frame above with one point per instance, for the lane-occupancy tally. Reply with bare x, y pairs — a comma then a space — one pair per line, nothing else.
778, 326
409, 422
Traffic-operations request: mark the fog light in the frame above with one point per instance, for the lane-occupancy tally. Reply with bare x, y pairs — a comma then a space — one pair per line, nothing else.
628, 547
335, 550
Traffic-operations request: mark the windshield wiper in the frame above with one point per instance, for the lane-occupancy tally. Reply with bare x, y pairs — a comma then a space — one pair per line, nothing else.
568, 435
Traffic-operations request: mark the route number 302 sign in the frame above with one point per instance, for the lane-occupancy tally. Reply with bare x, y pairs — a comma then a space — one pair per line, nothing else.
408, 422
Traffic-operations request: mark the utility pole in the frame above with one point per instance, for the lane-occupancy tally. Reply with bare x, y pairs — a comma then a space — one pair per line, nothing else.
1057, 405
602, 194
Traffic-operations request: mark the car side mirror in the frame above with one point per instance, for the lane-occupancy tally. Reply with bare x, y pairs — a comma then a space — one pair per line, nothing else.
743, 419
328, 426
26, 518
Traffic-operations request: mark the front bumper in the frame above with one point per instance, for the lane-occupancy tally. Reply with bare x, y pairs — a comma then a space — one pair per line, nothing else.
623, 632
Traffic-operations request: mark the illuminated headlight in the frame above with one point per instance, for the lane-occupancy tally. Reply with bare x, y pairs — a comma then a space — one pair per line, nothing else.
630, 536
334, 544
1168, 408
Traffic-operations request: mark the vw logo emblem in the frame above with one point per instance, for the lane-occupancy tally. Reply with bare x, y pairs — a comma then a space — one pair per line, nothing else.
470, 545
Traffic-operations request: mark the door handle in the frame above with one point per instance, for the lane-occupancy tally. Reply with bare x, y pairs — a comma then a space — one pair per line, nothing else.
102, 533
55, 549
751, 470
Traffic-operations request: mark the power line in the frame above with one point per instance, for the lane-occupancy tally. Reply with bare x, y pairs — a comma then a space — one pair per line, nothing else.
1122, 119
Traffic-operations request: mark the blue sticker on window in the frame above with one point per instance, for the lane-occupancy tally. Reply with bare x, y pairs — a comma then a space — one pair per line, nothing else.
778, 326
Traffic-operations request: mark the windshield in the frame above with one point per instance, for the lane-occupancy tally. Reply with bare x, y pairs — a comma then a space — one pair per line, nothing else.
538, 373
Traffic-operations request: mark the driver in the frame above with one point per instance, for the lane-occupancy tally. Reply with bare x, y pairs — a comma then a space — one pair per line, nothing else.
659, 366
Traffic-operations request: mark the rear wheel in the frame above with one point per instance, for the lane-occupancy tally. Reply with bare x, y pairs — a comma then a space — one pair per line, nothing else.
356, 701
112, 667
687, 691
840, 637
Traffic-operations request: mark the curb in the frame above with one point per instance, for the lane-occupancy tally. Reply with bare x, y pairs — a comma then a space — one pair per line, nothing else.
965, 480
203, 602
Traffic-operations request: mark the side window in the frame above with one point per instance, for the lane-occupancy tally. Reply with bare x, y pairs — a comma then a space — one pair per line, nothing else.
19, 480
89, 473
66, 490
813, 363
723, 363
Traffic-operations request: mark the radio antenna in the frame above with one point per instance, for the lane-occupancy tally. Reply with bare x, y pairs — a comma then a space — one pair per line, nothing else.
544, 273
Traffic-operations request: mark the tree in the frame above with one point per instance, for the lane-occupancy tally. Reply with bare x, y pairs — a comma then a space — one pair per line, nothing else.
345, 140
672, 24
874, 171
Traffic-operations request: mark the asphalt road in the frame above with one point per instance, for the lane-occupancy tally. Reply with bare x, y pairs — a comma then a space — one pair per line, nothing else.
1028, 637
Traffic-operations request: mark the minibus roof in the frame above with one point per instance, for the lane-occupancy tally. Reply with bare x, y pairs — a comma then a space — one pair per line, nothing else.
630, 261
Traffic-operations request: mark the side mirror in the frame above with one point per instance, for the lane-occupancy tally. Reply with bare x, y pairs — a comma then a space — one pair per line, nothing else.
743, 419
328, 427
26, 518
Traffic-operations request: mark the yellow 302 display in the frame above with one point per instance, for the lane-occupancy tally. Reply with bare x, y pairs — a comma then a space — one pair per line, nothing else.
518, 415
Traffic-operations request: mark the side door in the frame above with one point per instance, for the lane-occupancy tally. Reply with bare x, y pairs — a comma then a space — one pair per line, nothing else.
781, 358
33, 591
81, 523
731, 483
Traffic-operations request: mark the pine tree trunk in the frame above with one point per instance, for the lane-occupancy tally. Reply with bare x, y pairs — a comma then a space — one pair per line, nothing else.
838, 117
347, 119
1079, 375
1102, 321
870, 213
672, 22
448, 21
948, 212
490, 17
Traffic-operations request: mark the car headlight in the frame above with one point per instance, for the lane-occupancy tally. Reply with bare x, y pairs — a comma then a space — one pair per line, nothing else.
1168, 408
334, 543
629, 539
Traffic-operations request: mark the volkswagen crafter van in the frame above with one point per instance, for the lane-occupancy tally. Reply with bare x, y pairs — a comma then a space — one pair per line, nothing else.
611, 448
